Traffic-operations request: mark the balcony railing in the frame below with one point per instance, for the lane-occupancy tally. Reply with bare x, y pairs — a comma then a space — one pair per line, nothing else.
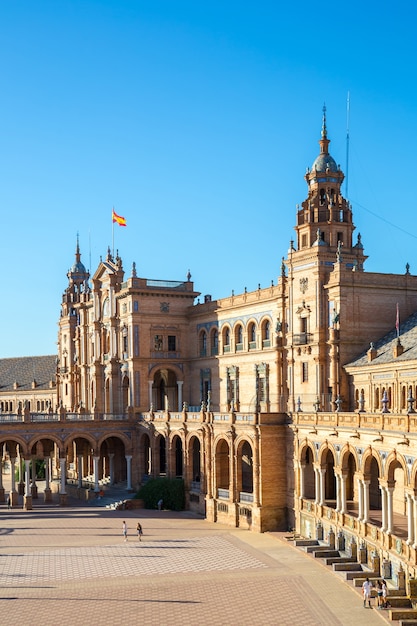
223, 494
302, 339
245, 496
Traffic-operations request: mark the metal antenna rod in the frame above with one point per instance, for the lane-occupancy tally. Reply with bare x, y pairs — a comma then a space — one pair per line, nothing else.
347, 144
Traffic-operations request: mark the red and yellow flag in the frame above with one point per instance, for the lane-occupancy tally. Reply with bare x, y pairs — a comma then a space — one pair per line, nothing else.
118, 219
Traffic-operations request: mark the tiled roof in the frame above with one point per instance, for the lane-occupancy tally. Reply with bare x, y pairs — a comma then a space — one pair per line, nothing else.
24, 370
385, 346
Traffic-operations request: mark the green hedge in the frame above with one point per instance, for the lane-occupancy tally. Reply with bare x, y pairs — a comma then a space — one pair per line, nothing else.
171, 490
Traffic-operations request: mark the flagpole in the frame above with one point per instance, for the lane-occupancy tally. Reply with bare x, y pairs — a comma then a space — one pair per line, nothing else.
112, 233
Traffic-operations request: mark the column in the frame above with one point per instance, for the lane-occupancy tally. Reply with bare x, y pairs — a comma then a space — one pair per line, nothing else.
179, 385
111, 468
150, 384
63, 468
384, 524
337, 477
27, 498
343, 503
365, 517
360, 499
80, 468
27, 478
415, 521
390, 510
129, 471
96, 459
317, 485
410, 519
302, 480
12, 475
322, 472
47, 495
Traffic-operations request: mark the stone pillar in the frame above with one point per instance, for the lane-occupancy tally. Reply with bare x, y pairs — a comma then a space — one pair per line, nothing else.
365, 517
111, 467
62, 486
360, 499
384, 522
302, 480
150, 384
47, 495
96, 460
27, 498
322, 472
390, 510
410, 519
255, 470
129, 471
317, 485
415, 521
2, 499
34, 487
337, 477
80, 467
343, 502
179, 385
13, 492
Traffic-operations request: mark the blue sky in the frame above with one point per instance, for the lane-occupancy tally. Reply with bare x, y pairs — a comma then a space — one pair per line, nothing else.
197, 121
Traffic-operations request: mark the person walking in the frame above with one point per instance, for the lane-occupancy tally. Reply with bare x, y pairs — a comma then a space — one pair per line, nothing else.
160, 503
379, 592
124, 528
366, 591
139, 531
9, 502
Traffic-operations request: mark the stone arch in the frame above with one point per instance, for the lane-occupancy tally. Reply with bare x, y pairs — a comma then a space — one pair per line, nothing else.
349, 464
372, 471
165, 387
146, 456
328, 462
397, 477
221, 454
194, 455
244, 455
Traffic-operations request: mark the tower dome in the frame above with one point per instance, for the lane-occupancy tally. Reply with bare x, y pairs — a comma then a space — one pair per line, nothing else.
324, 162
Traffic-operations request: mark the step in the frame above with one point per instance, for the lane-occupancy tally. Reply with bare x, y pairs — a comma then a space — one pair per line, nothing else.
316, 548
358, 581
399, 614
398, 602
347, 567
300, 543
360, 575
340, 559
324, 554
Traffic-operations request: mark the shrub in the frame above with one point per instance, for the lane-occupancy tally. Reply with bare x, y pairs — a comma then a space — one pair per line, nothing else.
171, 490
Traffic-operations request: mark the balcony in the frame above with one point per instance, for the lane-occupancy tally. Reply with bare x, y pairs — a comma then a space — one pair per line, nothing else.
302, 339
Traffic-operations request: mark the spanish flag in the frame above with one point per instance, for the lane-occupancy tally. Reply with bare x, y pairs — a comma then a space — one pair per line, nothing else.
118, 219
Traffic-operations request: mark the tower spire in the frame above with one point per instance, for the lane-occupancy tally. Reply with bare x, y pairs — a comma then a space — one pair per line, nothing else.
324, 142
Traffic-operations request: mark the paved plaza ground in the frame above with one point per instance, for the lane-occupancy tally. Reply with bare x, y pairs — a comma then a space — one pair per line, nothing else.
62, 566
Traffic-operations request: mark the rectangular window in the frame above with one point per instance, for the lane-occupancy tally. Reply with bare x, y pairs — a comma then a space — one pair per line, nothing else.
157, 344
304, 372
135, 306
172, 343
304, 241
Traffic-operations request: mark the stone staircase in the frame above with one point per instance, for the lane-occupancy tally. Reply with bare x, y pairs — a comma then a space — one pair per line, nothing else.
401, 609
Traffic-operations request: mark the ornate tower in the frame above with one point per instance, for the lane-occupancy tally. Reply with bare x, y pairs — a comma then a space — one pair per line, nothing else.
77, 292
323, 247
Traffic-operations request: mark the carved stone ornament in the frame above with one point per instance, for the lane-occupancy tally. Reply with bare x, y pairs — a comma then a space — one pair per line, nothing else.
164, 307
303, 285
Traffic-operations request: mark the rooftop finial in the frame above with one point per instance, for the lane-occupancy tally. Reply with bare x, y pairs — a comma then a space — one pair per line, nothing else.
324, 127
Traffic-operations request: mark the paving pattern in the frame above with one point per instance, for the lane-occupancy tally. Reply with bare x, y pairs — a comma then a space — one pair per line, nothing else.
133, 558
71, 567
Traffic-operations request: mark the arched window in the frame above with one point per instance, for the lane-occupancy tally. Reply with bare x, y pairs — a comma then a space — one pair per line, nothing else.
239, 337
203, 343
252, 336
266, 334
226, 339
214, 342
